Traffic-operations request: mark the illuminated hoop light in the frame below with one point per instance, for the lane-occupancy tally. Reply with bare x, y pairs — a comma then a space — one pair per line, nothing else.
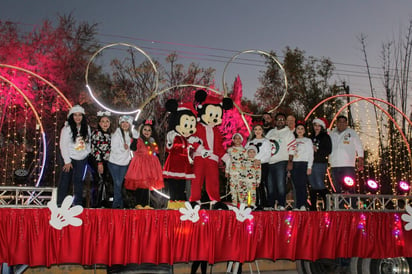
262, 53
372, 184
242, 113
349, 181
139, 109
69, 105
370, 100
41, 78
404, 186
38, 122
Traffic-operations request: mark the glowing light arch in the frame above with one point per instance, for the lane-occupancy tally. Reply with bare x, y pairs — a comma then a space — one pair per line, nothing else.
38, 122
370, 100
154, 92
261, 52
382, 109
41, 78
38, 119
357, 96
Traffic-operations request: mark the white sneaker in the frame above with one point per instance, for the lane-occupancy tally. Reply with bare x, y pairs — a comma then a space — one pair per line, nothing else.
281, 208
302, 208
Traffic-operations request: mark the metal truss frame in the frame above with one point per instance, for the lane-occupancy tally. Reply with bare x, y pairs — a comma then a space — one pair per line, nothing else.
23, 197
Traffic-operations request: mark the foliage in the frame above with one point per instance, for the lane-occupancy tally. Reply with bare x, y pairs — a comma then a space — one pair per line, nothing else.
58, 54
308, 83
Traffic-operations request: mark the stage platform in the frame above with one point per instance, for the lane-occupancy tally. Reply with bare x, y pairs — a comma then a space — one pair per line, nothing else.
110, 237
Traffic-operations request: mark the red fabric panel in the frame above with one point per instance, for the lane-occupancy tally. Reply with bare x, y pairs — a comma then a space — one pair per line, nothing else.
159, 236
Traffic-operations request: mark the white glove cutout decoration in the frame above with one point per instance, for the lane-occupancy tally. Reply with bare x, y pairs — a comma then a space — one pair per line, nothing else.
64, 216
407, 218
242, 213
189, 213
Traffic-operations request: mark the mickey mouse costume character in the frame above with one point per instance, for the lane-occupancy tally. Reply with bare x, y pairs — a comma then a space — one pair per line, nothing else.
208, 148
178, 166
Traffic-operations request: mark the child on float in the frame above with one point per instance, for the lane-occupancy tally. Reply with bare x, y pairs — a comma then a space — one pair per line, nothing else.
100, 153
74, 148
302, 165
120, 157
250, 177
264, 150
144, 173
237, 154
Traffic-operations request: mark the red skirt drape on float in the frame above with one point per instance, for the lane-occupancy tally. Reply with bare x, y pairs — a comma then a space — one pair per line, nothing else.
159, 236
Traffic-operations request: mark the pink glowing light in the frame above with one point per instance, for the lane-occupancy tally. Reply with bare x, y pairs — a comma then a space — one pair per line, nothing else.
349, 181
372, 184
405, 186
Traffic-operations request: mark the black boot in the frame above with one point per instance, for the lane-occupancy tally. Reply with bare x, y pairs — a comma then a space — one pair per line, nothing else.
313, 199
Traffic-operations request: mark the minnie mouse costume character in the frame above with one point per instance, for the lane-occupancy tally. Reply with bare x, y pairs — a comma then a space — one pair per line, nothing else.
178, 166
208, 145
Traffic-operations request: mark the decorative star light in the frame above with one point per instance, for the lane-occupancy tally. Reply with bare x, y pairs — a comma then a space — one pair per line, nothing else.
407, 218
189, 213
64, 216
242, 213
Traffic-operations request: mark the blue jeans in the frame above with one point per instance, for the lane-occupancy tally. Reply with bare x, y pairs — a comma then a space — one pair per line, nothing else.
299, 181
277, 183
317, 177
118, 173
339, 173
76, 175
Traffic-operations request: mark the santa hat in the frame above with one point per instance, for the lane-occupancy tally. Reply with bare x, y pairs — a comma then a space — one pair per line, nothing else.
237, 133
321, 121
76, 109
252, 147
186, 106
127, 119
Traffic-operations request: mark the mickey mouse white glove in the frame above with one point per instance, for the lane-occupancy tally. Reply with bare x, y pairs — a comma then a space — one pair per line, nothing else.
189, 213
64, 216
194, 139
242, 213
170, 137
407, 218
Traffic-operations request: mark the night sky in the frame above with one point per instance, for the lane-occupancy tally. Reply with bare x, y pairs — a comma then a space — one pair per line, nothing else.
211, 32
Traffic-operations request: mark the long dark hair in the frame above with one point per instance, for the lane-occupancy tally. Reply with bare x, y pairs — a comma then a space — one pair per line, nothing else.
153, 136
84, 132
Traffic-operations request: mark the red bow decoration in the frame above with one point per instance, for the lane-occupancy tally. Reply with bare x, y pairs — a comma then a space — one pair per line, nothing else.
148, 122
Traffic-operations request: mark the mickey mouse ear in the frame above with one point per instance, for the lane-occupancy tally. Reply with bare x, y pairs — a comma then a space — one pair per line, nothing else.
227, 103
171, 105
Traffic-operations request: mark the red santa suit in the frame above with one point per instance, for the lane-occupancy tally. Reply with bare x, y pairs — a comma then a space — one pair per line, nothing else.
206, 159
177, 165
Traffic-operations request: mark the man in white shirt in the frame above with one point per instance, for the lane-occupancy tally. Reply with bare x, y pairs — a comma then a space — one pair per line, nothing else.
291, 122
346, 147
283, 149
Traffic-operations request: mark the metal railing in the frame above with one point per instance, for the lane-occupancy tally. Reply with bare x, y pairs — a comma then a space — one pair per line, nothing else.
23, 196
367, 202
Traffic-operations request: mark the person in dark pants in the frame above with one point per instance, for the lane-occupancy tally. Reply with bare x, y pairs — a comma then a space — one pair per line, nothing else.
322, 147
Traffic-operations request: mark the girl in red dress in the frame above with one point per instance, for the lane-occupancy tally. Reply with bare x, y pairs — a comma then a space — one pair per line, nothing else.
145, 172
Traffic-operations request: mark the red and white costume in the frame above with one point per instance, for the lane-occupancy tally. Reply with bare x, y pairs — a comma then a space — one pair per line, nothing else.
205, 167
177, 165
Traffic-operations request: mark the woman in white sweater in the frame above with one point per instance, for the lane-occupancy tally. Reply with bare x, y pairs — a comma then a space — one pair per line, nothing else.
120, 157
74, 148
302, 166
